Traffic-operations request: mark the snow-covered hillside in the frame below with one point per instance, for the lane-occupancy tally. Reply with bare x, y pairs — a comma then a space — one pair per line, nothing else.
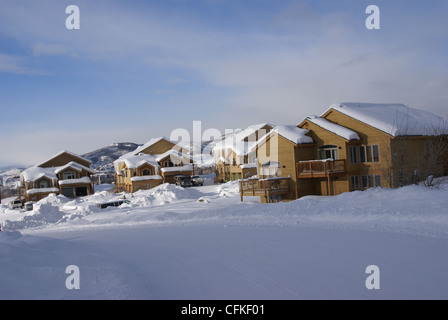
103, 159
203, 243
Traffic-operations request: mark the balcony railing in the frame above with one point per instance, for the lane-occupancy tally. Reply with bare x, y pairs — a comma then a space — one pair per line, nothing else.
320, 168
264, 187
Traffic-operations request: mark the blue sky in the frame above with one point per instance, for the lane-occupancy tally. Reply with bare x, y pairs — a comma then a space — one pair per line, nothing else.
140, 69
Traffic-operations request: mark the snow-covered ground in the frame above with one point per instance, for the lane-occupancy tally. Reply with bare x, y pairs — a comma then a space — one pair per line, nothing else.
203, 243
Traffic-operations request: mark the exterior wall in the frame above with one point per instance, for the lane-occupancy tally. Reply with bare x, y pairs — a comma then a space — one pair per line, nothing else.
414, 160
277, 148
159, 147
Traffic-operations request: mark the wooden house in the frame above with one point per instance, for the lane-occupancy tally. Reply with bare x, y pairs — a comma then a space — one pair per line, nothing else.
156, 162
356, 146
65, 173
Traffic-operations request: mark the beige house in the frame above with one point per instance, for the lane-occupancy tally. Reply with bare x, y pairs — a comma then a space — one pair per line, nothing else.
235, 157
156, 162
354, 146
65, 173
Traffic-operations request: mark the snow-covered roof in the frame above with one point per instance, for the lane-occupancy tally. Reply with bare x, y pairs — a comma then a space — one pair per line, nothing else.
136, 158
187, 167
290, 132
35, 173
42, 190
334, 128
82, 180
146, 178
394, 119
134, 162
73, 165
293, 134
174, 154
141, 148
236, 141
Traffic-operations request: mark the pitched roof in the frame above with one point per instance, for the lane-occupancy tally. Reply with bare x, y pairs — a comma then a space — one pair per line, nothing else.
236, 141
393, 119
334, 128
67, 152
290, 132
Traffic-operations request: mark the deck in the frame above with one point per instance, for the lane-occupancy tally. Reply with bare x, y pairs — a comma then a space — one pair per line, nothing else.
320, 168
264, 187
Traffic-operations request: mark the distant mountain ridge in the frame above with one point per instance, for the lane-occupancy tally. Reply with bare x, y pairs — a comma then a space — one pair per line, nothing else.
103, 159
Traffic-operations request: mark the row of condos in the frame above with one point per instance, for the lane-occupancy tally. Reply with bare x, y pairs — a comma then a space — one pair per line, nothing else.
351, 146
156, 162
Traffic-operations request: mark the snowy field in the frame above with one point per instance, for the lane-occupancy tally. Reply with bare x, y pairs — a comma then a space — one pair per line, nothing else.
202, 243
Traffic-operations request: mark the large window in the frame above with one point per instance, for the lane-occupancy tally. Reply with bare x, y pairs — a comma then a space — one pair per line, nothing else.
146, 172
69, 175
353, 154
363, 154
43, 184
328, 152
355, 182
373, 153
365, 182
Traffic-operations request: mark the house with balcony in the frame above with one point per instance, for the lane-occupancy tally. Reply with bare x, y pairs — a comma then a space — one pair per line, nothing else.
156, 162
355, 146
65, 173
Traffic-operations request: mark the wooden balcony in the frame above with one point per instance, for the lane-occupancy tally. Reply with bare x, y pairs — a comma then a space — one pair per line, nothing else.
320, 168
264, 187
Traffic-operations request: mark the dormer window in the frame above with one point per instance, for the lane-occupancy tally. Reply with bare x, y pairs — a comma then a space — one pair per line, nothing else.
69, 175
43, 184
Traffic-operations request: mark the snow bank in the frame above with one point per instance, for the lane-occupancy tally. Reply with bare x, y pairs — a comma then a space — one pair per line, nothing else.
161, 195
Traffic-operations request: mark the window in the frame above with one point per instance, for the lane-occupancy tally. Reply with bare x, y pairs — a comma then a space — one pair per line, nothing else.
355, 182
43, 184
69, 175
375, 181
373, 153
271, 169
364, 182
168, 164
146, 172
328, 152
366, 154
362, 154
353, 154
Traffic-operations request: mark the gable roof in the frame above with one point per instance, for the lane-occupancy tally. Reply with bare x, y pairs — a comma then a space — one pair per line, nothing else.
74, 165
65, 152
393, 119
137, 158
35, 173
239, 142
291, 133
333, 127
